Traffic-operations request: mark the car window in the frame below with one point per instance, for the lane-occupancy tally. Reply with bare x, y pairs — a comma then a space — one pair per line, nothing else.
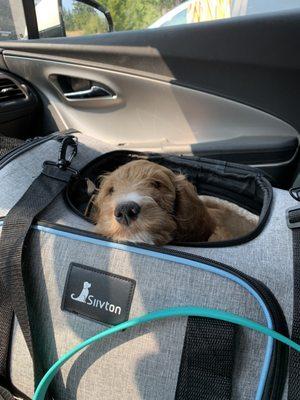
178, 19
57, 18
12, 20
195, 11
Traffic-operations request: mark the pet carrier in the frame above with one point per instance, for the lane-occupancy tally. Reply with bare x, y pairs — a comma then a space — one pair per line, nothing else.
62, 283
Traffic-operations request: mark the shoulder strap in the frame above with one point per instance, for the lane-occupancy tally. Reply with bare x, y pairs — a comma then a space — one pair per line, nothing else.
293, 221
17, 223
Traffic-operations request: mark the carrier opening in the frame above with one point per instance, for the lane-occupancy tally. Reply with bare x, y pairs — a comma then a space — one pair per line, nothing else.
238, 195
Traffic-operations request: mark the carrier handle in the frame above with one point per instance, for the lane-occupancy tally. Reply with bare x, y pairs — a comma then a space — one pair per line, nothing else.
157, 315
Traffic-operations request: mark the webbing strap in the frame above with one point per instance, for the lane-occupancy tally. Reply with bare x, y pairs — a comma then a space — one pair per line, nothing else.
294, 362
5, 394
207, 360
16, 226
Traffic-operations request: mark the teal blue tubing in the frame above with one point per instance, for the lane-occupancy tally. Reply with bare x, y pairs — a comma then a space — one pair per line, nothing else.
156, 315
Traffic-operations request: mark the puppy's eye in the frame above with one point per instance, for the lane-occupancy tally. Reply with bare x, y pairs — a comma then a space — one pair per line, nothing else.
110, 190
156, 184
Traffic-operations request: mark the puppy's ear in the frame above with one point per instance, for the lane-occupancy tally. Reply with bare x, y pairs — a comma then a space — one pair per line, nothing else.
91, 211
90, 186
194, 224
93, 208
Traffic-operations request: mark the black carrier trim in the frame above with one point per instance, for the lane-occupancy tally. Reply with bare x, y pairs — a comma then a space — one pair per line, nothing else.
245, 186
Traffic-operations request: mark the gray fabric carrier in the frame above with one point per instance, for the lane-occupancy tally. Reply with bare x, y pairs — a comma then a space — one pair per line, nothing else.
144, 362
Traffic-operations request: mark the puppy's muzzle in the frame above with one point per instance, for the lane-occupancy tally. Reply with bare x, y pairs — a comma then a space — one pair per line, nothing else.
127, 212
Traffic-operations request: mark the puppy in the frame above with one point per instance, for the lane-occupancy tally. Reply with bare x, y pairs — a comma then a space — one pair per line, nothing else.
145, 202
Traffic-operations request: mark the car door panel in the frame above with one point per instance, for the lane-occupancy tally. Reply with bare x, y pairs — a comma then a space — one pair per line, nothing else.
253, 59
179, 88
146, 112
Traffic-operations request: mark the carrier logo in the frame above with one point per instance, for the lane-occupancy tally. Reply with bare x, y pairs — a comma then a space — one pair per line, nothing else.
97, 295
84, 293
90, 300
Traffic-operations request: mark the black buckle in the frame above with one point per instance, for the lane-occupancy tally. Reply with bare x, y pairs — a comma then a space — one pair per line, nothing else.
65, 159
55, 164
65, 156
291, 225
295, 193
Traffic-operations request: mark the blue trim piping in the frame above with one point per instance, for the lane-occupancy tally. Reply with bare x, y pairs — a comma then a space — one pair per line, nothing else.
190, 263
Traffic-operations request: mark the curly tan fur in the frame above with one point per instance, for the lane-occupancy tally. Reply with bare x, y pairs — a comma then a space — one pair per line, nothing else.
170, 207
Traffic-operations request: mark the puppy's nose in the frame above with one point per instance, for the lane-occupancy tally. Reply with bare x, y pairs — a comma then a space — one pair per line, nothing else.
127, 212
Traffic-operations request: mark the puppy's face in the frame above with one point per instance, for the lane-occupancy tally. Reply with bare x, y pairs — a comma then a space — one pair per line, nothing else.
136, 203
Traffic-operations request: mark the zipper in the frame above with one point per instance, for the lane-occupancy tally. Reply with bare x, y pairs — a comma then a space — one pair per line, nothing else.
276, 379
30, 144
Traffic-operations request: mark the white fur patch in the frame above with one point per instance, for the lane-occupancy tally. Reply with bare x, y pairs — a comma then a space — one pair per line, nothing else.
142, 237
136, 197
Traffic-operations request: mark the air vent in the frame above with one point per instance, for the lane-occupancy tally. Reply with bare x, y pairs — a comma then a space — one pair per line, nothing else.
10, 91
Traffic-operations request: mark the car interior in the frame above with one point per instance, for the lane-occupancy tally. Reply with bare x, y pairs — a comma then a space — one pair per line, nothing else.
226, 89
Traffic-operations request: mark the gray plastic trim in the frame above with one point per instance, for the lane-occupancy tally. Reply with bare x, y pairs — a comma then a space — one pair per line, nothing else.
149, 113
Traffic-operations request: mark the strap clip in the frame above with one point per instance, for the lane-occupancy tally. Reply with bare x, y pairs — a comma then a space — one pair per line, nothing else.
67, 151
66, 155
295, 193
292, 225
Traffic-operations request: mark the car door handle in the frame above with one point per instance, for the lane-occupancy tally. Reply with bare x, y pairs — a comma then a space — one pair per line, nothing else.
93, 92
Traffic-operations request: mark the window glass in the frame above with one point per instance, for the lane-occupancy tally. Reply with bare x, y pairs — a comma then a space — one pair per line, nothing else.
76, 18
81, 19
178, 19
12, 21
58, 18
140, 14
49, 18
